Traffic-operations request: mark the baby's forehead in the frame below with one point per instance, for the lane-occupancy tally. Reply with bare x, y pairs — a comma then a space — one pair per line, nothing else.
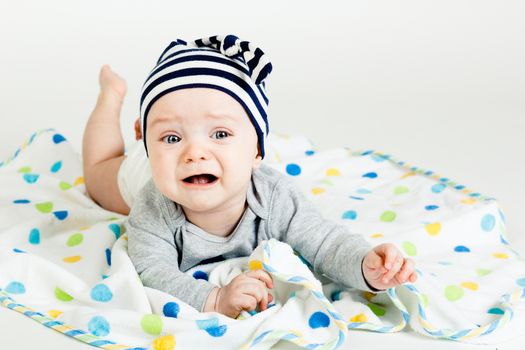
175, 117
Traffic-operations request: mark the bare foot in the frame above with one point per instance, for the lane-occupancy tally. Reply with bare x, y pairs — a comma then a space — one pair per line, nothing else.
112, 87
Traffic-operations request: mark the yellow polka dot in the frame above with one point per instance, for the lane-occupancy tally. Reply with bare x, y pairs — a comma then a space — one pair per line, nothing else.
318, 190
470, 285
433, 229
333, 172
468, 201
166, 342
466, 191
72, 259
500, 256
359, 318
83, 228
436, 176
410, 173
79, 181
377, 235
54, 313
255, 265
368, 295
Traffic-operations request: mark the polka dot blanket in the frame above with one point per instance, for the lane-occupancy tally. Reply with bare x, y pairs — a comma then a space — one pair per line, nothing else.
64, 262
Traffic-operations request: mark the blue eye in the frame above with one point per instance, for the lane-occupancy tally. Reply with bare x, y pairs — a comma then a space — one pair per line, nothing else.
220, 134
171, 139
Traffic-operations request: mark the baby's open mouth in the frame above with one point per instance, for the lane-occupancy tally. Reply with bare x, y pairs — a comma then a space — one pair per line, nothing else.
201, 179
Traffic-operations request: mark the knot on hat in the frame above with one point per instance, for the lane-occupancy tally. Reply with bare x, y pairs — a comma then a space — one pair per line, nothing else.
230, 45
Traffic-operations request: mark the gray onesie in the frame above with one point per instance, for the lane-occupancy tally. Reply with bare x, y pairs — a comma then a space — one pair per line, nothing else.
166, 248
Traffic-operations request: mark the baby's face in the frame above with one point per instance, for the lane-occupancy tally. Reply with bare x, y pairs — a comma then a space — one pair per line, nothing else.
202, 148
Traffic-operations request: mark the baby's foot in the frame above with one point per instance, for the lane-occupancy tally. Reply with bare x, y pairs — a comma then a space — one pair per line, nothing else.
112, 87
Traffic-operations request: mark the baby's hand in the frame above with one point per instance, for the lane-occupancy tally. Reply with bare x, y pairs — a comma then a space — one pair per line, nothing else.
244, 292
385, 267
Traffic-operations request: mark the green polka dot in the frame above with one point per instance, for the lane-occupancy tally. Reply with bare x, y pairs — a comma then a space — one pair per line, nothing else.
483, 272
454, 293
388, 216
24, 169
410, 248
151, 324
401, 190
424, 300
64, 185
75, 239
62, 296
376, 309
45, 207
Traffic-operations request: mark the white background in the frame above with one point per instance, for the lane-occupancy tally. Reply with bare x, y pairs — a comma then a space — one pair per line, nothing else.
439, 84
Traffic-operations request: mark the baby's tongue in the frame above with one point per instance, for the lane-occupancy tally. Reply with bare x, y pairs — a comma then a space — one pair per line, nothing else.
200, 179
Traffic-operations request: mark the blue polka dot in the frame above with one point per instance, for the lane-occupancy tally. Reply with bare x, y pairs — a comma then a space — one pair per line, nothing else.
200, 275
521, 282
101, 293
293, 169
98, 326
438, 188
363, 191
56, 167
34, 236
378, 158
461, 249
171, 309
209, 323
349, 215
16, 250
336, 295
488, 222
57, 138
61, 214
309, 152
21, 201
15, 288
108, 256
116, 229
496, 311
31, 178
217, 331
371, 175
357, 198
319, 319
431, 207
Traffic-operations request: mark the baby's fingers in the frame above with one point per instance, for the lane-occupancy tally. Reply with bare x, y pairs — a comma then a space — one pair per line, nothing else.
406, 271
396, 266
261, 275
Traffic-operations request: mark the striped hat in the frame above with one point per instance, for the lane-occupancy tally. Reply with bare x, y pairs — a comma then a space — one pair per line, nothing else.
225, 63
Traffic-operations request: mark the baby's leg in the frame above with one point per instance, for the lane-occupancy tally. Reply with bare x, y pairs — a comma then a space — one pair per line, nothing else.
103, 145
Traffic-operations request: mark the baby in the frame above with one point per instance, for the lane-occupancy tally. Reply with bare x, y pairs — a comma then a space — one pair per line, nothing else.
209, 197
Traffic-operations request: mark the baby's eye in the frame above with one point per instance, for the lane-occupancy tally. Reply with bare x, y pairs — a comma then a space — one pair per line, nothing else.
220, 134
171, 138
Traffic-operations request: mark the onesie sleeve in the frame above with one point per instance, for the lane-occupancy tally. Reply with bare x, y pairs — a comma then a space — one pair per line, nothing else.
152, 249
330, 248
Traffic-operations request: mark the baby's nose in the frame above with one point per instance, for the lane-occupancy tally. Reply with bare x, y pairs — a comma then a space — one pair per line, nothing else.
195, 152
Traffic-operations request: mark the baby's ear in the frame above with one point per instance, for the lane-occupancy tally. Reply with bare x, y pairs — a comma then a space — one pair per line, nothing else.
257, 162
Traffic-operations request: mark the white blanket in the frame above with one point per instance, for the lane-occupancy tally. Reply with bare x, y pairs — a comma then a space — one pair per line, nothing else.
64, 263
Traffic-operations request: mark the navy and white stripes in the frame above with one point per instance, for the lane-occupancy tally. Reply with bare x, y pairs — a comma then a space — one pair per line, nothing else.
228, 64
